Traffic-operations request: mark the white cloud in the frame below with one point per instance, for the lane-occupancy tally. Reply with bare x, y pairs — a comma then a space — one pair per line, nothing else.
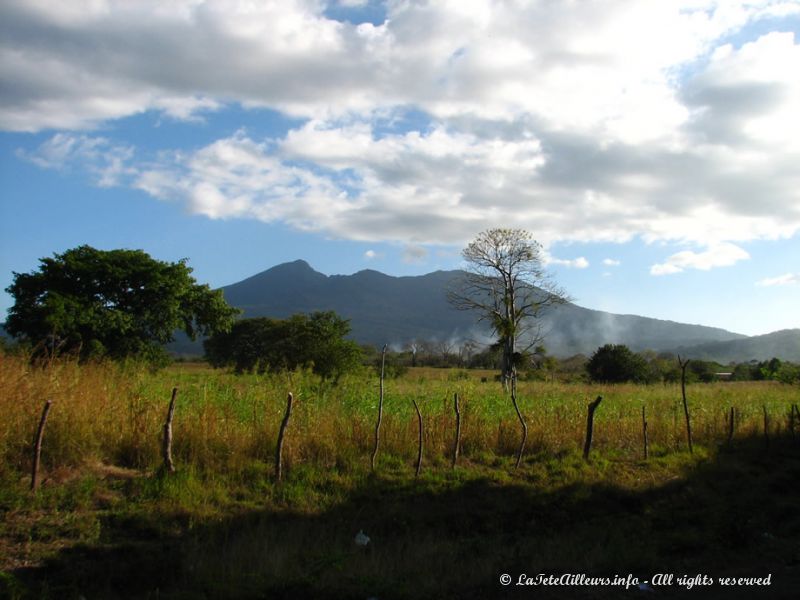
648, 123
238, 178
665, 269
371, 255
575, 263
610, 262
719, 255
787, 279
107, 163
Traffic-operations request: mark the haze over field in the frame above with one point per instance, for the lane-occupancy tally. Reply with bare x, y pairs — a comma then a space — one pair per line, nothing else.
650, 146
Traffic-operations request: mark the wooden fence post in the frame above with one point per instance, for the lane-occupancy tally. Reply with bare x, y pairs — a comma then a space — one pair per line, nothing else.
380, 413
766, 426
519, 416
281, 434
683, 365
166, 447
644, 432
419, 444
731, 425
458, 430
37, 446
590, 426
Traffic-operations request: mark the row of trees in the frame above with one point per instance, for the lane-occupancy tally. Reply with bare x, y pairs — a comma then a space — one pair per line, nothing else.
123, 303
617, 363
612, 363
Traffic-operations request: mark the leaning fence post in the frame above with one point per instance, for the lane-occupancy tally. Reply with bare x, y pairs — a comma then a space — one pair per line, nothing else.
419, 444
683, 365
458, 430
644, 432
166, 447
380, 413
281, 433
590, 426
37, 446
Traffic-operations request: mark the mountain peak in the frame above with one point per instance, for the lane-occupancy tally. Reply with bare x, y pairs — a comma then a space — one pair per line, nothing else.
383, 308
295, 265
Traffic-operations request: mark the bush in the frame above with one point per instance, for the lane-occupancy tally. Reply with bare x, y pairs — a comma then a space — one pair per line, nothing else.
313, 341
616, 363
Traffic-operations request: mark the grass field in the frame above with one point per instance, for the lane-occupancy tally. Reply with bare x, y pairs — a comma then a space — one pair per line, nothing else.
107, 523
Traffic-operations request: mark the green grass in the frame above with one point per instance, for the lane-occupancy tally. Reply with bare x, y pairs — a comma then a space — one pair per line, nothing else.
107, 523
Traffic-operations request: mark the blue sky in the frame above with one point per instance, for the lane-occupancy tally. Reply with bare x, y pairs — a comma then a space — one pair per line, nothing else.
651, 147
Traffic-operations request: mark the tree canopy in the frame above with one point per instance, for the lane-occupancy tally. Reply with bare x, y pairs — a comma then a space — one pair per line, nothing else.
115, 303
506, 284
315, 341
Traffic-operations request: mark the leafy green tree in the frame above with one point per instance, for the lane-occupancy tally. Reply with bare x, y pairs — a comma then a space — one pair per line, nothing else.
116, 303
746, 372
616, 363
703, 370
787, 373
768, 369
315, 341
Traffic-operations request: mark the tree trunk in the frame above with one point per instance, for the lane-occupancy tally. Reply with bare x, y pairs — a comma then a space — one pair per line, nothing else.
522, 422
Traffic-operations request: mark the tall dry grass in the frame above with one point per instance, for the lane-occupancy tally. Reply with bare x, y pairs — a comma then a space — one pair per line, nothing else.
114, 414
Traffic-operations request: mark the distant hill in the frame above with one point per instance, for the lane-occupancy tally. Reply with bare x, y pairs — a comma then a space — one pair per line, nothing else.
784, 344
385, 309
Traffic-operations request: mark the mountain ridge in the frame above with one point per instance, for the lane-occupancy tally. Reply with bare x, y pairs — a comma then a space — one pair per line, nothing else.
398, 309
388, 309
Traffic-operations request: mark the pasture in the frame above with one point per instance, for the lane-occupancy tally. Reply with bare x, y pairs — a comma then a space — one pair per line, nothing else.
108, 523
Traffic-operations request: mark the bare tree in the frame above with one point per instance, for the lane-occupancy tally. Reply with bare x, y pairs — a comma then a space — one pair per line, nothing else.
505, 282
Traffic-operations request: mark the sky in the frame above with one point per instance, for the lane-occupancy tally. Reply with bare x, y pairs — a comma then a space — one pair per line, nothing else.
653, 148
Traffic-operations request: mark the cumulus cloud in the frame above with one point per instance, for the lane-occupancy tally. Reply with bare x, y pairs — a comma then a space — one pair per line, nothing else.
647, 124
787, 279
719, 255
610, 262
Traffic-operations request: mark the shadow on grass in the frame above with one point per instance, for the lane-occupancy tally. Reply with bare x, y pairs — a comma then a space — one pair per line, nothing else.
447, 536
